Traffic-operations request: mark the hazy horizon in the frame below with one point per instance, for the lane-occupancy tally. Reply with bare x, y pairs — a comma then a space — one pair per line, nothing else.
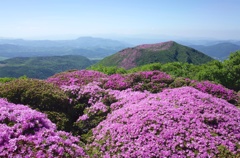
154, 19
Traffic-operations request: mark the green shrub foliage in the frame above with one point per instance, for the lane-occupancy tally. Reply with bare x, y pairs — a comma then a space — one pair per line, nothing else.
108, 70
35, 93
41, 96
5, 79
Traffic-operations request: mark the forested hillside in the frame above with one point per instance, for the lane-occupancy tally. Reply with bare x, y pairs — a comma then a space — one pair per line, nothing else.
41, 67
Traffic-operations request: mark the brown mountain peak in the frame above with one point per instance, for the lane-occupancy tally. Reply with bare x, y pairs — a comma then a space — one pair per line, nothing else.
156, 46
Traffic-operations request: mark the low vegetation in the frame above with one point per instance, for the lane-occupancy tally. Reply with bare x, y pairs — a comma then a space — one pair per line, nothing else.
142, 112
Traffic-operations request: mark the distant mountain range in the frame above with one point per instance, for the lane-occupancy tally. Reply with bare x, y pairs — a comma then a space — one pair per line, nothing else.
87, 46
41, 67
98, 48
151, 53
219, 51
43, 58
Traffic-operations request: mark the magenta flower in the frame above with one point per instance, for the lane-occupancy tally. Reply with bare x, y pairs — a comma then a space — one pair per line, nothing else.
27, 133
182, 122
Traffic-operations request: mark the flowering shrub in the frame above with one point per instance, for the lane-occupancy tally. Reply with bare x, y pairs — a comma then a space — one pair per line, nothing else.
127, 96
27, 133
91, 106
134, 115
181, 122
78, 78
86, 95
238, 99
216, 90
153, 81
39, 95
117, 81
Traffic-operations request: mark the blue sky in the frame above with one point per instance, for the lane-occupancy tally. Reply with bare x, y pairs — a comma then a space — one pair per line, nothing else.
219, 19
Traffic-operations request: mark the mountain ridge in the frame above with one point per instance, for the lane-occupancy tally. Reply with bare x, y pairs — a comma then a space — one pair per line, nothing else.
219, 51
163, 52
89, 47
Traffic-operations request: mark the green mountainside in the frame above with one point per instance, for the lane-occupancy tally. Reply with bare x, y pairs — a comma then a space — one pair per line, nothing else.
41, 67
151, 53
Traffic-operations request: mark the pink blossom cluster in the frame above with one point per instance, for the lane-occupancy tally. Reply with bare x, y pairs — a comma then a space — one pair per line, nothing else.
27, 133
93, 93
133, 97
79, 78
135, 115
91, 96
238, 96
216, 90
188, 122
90, 93
180, 122
153, 81
117, 81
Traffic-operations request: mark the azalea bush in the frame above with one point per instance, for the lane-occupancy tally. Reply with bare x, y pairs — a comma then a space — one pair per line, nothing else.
91, 106
156, 81
117, 81
153, 81
181, 122
41, 96
27, 133
106, 128
143, 114
238, 101
216, 90
78, 78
